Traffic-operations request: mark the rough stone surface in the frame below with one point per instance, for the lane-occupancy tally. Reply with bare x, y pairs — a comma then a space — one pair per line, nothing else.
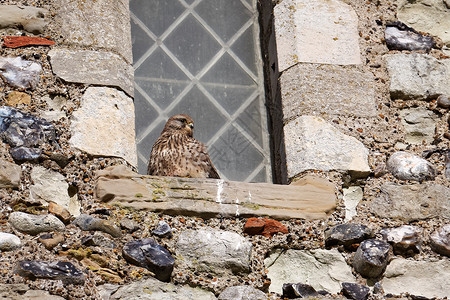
59, 270
87, 222
19, 73
9, 174
51, 240
417, 76
316, 31
62, 213
22, 291
27, 17
242, 292
405, 239
163, 230
216, 252
407, 166
398, 36
412, 202
265, 227
371, 258
314, 144
98, 240
413, 277
15, 98
419, 124
440, 240
316, 89
9, 241
149, 254
347, 235
102, 24
152, 289
427, 16
21, 41
355, 291
104, 124
70, 66
50, 186
35, 224
352, 196
298, 290
322, 269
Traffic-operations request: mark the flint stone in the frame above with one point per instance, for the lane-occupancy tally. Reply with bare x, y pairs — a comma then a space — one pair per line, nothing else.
309, 89
443, 101
20, 73
321, 31
404, 239
10, 174
98, 240
152, 289
59, 270
242, 292
407, 166
298, 290
440, 240
322, 269
22, 291
314, 144
111, 113
418, 278
22, 154
417, 76
163, 230
129, 225
412, 202
352, 196
399, 36
50, 186
9, 242
87, 223
27, 17
35, 224
347, 235
104, 68
147, 253
355, 291
420, 125
214, 251
59, 211
371, 258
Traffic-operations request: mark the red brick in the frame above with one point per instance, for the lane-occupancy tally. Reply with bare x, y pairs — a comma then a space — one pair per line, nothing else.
254, 226
272, 227
21, 41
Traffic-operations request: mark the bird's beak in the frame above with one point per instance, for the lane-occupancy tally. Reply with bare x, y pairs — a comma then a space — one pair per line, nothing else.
191, 125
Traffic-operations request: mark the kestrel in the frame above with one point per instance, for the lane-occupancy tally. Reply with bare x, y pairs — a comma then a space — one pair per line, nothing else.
177, 153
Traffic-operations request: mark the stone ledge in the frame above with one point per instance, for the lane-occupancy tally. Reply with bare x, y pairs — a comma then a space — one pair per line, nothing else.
310, 198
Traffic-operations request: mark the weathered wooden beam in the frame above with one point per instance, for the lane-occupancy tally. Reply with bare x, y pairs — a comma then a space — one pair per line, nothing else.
312, 198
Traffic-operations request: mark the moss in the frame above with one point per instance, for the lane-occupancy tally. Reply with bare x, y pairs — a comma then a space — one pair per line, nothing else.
252, 206
138, 195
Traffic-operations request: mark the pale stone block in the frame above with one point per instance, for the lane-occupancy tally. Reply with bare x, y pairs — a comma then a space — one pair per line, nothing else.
314, 144
27, 17
104, 124
352, 196
322, 31
93, 67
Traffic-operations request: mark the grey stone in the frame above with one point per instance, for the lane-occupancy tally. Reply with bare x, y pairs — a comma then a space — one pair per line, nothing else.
129, 225
147, 253
322, 269
316, 89
9, 174
412, 202
432, 16
93, 67
22, 154
420, 125
163, 230
371, 258
9, 241
55, 108
20, 73
316, 31
55, 270
417, 76
22, 291
50, 186
355, 291
35, 224
443, 101
153, 289
418, 278
100, 24
87, 222
111, 113
407, 166
242, 292
440, 240
347, 235
399, 36
27, 17
352, 196
214, 251
98, 240
298, 290
405, 239
314, 144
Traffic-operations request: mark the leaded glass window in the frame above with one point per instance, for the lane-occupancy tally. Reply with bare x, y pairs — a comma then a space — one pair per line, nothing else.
202, 58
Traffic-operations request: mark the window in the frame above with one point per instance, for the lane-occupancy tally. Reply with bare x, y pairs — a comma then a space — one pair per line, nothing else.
203, 58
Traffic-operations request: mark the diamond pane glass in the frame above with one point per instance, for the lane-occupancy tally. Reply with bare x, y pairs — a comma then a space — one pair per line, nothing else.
202, 58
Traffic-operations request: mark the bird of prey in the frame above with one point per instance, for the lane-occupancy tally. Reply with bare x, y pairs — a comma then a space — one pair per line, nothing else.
177, 153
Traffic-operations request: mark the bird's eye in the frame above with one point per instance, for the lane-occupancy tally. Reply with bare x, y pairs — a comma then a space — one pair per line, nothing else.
184, 121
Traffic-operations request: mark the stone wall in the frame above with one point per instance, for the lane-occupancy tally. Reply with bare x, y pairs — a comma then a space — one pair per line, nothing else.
358, 106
